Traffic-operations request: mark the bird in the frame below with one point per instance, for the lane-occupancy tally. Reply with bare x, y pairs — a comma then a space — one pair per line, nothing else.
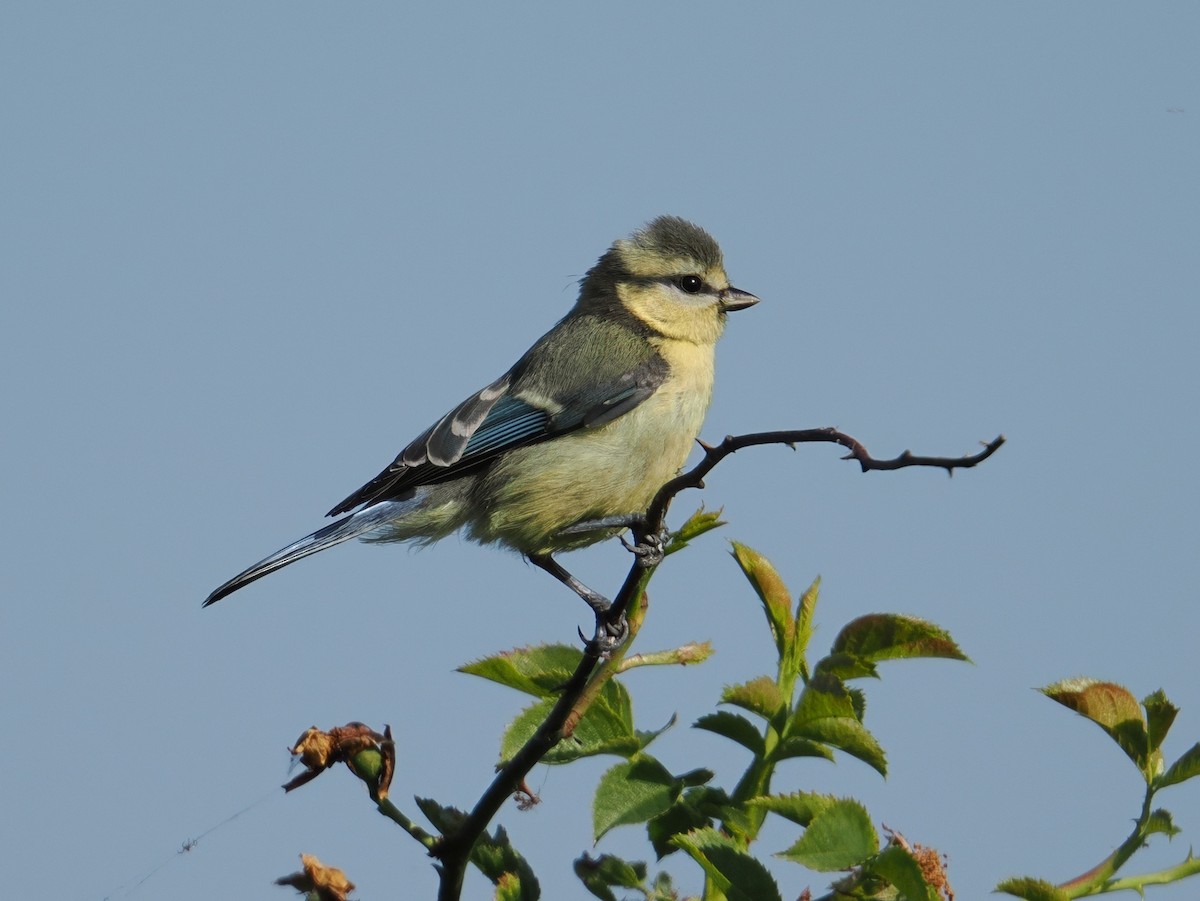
571, 444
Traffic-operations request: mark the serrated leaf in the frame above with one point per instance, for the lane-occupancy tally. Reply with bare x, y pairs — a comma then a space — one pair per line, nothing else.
858, 699
733, 726
695, 778
493, 854
695, 809
839, 837
1104, 703
1113, 709
539, 671
444, 819
633, 791
806, 606
600, 873
902, 870
645, 736
768, 585
697, 524
1182, 769
737, 875
1032, 889
605, 728
759, 696
825, 695
846, 666
793, 746
893, 636
1160, 821
1160, 714
799, 807
685, 815
846, 734
508, 888
496, 858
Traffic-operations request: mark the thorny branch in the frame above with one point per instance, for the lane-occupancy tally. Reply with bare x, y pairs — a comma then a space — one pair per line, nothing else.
454, 850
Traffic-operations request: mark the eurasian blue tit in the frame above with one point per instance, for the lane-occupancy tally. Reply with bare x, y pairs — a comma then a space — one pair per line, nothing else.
585, 428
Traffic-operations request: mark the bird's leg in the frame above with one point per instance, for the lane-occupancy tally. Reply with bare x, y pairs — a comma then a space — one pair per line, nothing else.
609, 634
620, 521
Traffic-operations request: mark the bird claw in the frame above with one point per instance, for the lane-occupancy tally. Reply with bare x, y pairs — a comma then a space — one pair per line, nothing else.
609, 635
649, 550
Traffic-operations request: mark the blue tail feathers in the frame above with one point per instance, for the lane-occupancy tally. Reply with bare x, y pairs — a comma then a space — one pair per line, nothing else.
344, 529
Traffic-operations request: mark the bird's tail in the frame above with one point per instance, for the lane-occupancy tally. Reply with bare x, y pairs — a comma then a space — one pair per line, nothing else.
344, 529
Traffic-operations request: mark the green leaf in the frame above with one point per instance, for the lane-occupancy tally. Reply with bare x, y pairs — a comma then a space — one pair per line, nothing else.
645, 736
776, 600
496, 858
1160, 714
799, 807
828, 712
697, 524
493, 854
633, 791
1182, 769
846, 734
806, 606
606, 728
733, 872
600, 873
902, 870
792, 746
695, 778
858, 698
733, 726
846, 666
694, 809
825, 695
679, 820
892, 636
663, 890
444, 819
540, 671
759, 696
1113, 709
509, 888
1161, 821
1032, 889
838, 837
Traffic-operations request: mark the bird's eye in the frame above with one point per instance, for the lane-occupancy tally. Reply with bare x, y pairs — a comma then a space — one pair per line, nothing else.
691, 284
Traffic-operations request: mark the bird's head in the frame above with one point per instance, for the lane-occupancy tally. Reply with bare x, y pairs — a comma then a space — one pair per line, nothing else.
670, 276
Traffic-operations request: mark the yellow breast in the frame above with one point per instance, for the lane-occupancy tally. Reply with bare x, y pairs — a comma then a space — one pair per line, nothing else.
533, 493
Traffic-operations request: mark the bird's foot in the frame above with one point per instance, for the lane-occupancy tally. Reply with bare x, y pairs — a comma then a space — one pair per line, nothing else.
610, 634
649, 549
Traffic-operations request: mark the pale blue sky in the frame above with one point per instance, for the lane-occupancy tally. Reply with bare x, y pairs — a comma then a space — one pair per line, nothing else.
250, 250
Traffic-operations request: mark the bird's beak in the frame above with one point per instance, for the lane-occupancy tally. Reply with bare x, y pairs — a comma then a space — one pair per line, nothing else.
736, 299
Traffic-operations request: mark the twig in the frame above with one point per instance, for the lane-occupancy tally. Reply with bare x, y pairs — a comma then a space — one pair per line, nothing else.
694, 478
454, 849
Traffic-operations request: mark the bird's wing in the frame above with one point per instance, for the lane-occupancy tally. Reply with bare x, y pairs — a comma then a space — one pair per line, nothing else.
498, 419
